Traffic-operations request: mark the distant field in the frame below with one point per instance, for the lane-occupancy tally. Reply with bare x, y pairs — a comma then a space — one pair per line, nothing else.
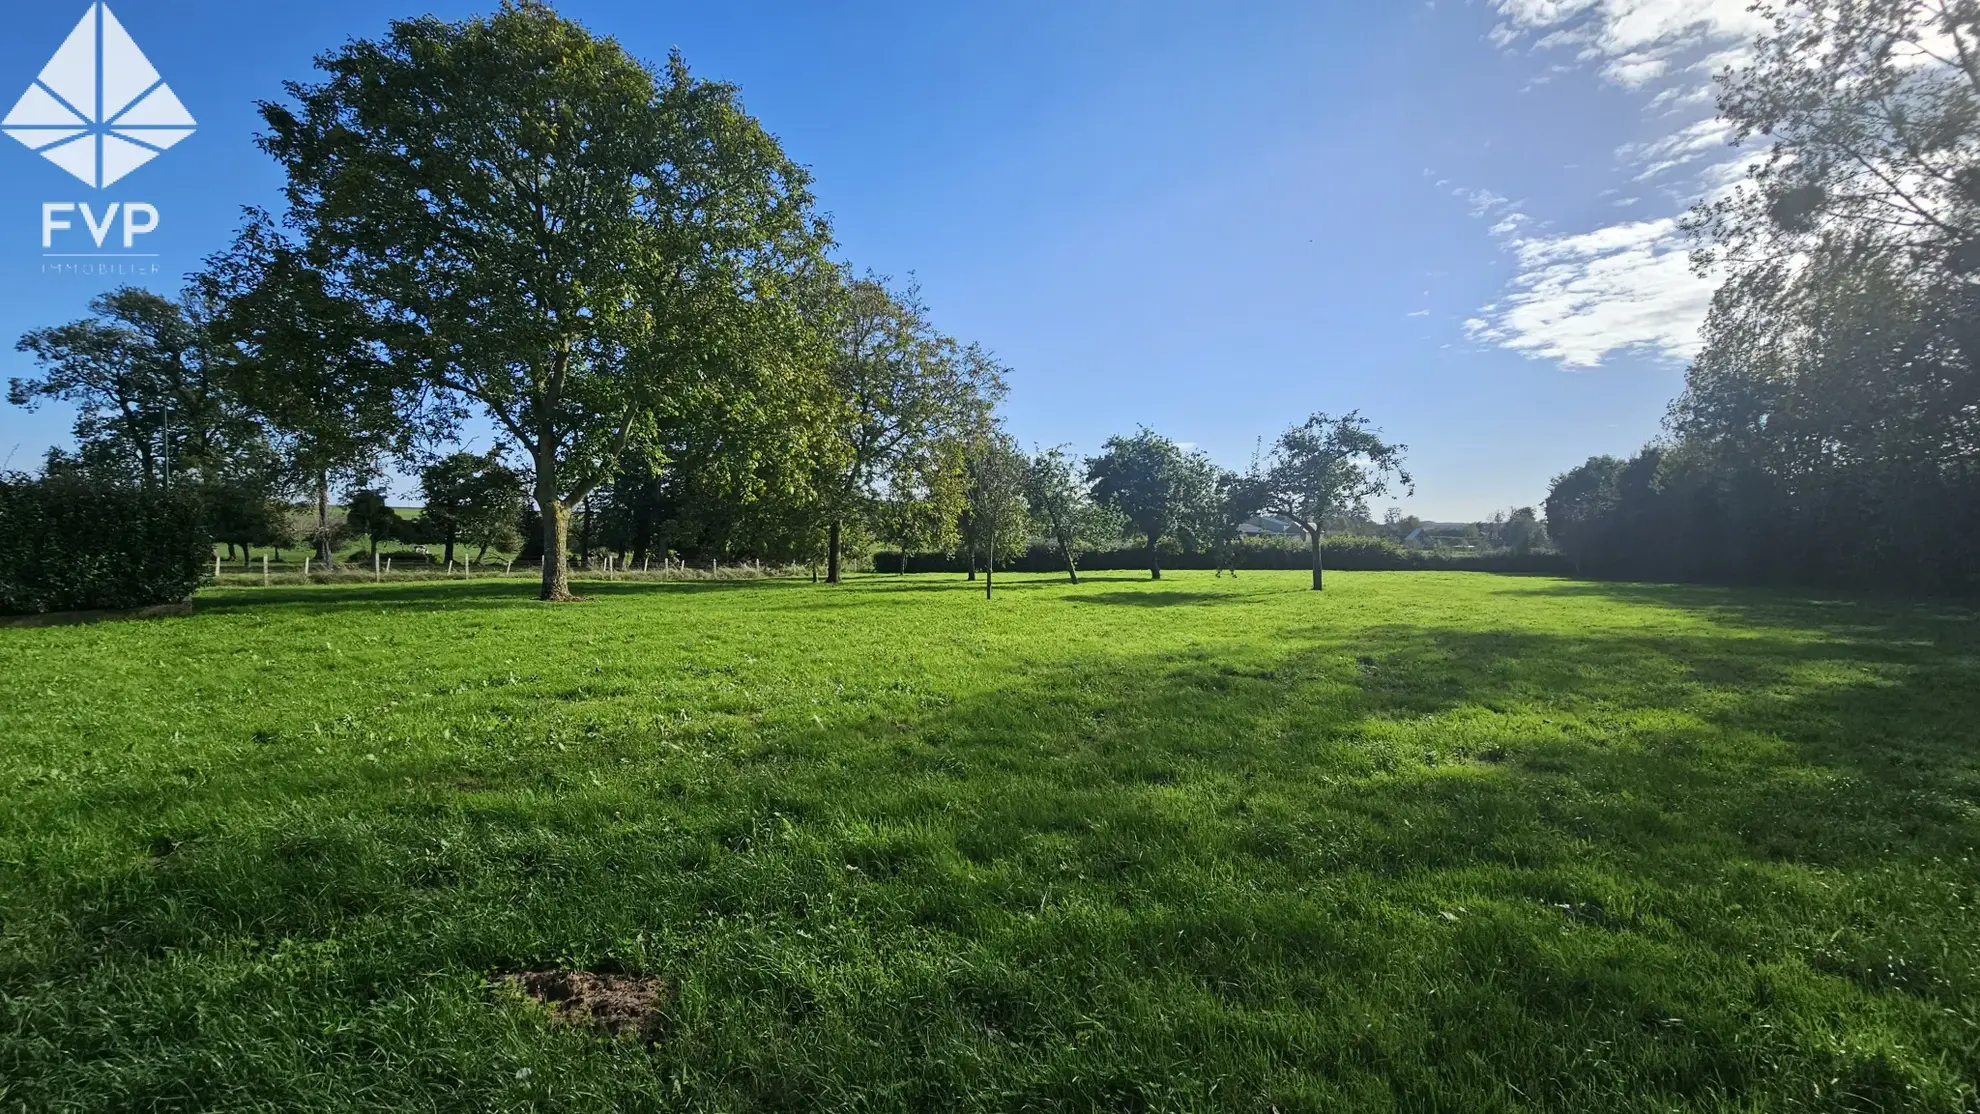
1425, 841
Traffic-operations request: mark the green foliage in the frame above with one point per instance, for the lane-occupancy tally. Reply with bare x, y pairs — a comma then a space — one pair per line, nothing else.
310, 362
999, 519
1345, 552
1326, 466
369, 514
928, 497
473, 498
556, 234
910, 397
1828, 429
1064, 510
147, 401
1520, 531
1159, 489
77, 543
1467, 843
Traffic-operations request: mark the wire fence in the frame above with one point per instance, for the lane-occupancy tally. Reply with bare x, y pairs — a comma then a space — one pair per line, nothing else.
261, 572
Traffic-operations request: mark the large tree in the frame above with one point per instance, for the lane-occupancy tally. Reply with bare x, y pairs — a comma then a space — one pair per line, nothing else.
1325, 467
474, 498
554, 232
1239, 497
1830, 427
909, 393
307, 359
370, 512
1065, 508
147, 402
925, 501
1157, 486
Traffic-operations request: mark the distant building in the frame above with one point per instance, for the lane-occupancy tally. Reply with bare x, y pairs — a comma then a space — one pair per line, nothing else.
1268, 525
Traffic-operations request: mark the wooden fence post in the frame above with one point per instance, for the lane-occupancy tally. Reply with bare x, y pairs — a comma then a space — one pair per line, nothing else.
264, 570
305, 569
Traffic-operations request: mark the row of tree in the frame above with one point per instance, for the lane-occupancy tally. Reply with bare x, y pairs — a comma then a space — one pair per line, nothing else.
621, 272
1829, 431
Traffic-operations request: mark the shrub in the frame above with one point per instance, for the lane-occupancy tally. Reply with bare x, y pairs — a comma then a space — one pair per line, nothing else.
68, 543
1343, 553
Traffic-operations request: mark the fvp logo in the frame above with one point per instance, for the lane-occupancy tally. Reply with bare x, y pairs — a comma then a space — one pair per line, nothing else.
98, 110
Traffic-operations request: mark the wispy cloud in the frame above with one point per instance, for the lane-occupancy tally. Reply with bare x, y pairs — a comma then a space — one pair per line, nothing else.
1578, 297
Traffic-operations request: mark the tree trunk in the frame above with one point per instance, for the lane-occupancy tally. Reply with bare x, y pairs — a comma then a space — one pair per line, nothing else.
971, 546
556, 562
904, 560
1154, 557
449, 555
323, 547
990, 565
556, 533
642, 540
1314, 534
584, 536
1065, 550
832, 553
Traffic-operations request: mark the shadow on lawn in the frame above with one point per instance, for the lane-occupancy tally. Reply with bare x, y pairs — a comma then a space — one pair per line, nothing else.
1778, 607
1606, 868
460, 594
1158, 597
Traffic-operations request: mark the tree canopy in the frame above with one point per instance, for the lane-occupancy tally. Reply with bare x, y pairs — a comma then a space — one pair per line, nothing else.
550, 230
1159, 488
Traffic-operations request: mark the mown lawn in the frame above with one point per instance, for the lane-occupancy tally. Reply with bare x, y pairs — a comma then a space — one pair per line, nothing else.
1421, 842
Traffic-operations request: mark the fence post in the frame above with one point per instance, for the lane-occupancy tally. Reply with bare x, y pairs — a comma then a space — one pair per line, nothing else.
305, 569
377, 572
467, 568
216, 568
264, 570
450, 568
510, 565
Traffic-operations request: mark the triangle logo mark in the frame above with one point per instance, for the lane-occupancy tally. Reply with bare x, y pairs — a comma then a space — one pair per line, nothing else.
99, 83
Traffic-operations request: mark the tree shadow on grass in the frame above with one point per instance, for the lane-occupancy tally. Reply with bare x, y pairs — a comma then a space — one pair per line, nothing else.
460, 595
1425, 868
1780, 607
1160, 598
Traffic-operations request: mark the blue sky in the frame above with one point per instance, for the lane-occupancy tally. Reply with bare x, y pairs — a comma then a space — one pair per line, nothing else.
1209, 219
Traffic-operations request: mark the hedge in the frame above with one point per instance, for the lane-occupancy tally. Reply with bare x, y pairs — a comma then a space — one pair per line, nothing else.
1349, 553
72, 544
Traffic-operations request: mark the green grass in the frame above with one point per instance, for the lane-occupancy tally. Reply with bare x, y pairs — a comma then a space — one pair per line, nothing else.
1421, 842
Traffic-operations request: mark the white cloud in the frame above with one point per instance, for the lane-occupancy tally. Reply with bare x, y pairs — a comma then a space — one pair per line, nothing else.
1417, 313
1579, 297
1697, 140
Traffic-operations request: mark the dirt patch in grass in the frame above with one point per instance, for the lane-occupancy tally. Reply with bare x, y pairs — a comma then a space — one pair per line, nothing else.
615, 1003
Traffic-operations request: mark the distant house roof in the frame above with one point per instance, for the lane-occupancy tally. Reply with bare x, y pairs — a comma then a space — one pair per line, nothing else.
1271, 524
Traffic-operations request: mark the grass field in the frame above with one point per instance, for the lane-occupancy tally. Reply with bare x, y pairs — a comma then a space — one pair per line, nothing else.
1425, 841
